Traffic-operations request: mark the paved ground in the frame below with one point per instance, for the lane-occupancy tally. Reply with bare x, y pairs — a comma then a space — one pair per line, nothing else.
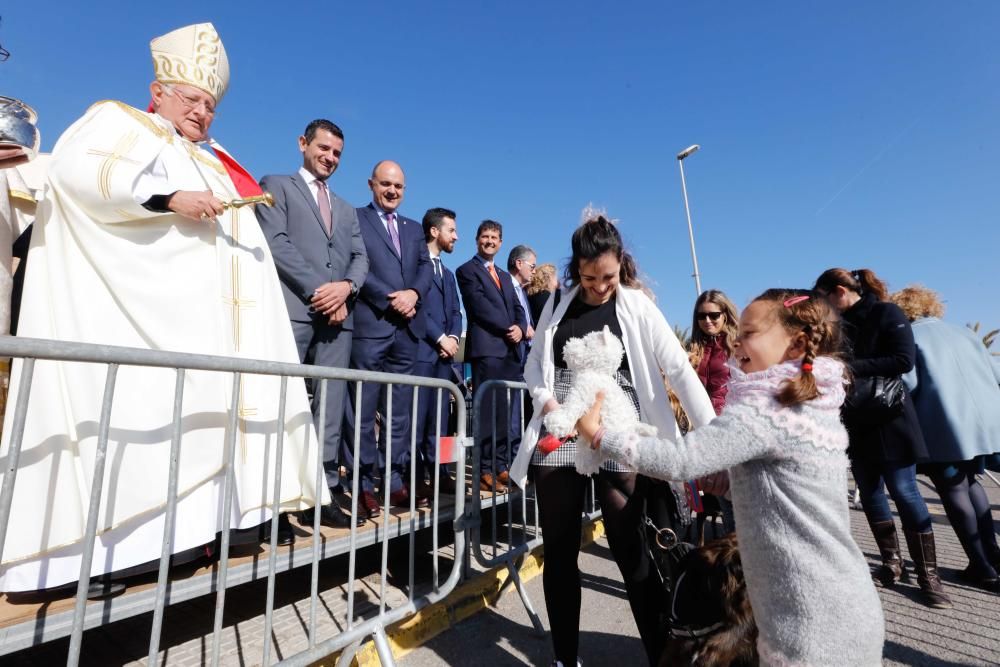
969, 634
503, 635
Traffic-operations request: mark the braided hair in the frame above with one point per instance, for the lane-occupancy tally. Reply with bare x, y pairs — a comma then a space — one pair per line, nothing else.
803, 312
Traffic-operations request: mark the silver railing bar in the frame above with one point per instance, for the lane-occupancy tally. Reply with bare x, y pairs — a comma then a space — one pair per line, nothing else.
272, 557
169, 520
90, 532
229, 489
355, 481
317, 515
386, 485
14, 452
413, 488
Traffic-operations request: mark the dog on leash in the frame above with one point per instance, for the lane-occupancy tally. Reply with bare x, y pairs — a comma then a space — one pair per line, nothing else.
710, 620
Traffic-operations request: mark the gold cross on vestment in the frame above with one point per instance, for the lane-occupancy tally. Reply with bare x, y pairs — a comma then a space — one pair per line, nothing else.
236, 301
111, 159
243, 412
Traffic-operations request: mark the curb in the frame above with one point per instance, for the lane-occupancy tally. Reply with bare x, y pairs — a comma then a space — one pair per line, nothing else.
467, 599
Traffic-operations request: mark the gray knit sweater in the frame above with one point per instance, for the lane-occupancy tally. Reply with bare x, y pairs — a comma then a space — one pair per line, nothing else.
809, 584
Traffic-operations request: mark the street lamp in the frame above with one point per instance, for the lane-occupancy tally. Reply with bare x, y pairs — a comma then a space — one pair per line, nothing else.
687, 209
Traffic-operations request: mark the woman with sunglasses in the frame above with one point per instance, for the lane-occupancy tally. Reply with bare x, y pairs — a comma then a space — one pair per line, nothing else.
715, 327
713, 331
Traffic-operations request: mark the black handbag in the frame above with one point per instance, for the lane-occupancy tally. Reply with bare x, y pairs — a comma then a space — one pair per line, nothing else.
875, 399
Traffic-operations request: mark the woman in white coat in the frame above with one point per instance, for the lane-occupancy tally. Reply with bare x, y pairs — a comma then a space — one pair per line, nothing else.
603, 291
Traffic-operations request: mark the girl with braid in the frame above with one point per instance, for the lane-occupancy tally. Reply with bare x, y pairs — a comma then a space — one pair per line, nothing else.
783, 443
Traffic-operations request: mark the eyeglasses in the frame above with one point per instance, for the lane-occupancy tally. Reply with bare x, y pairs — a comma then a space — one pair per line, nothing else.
709, 316
190, 102
531, 266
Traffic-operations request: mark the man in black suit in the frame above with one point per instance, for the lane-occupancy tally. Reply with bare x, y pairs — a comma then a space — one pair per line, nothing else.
387, 327
497, 323
321, 261
437, 349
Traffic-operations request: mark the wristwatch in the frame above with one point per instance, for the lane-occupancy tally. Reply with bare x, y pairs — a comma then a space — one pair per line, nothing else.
354, 288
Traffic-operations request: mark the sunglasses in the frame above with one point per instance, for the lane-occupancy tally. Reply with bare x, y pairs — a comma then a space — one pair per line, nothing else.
710, 316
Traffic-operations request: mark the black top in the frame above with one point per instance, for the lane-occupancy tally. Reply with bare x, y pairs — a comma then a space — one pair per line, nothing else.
880, 343
581, 319
536, 302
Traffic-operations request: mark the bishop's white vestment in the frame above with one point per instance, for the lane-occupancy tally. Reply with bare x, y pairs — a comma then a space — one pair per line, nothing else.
103, 269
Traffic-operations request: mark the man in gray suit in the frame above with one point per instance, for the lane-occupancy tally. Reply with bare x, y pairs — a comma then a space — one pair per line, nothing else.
322, 263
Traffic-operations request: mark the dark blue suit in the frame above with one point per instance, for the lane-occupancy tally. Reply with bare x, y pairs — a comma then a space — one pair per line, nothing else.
442, 317
491, 313
386, 341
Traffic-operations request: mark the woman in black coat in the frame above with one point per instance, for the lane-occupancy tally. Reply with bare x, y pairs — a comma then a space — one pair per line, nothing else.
884, 450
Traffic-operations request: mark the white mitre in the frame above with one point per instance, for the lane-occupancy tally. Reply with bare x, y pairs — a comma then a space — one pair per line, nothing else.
193, 55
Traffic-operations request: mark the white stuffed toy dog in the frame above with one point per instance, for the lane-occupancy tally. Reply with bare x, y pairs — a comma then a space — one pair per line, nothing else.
594, 360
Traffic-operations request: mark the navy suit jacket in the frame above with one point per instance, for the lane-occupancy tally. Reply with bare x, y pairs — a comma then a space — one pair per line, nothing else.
491, 311
442, 315
387, 273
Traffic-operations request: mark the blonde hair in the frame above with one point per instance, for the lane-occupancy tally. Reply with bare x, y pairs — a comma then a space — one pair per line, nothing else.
540, 282
918, 301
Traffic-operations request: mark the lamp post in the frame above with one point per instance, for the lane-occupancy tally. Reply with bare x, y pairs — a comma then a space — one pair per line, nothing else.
687, 209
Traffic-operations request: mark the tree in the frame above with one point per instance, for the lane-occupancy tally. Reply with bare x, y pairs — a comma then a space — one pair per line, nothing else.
988, 338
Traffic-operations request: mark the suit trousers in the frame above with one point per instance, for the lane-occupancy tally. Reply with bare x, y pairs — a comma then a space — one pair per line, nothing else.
428, 414
494, 417
320, 344
394, 354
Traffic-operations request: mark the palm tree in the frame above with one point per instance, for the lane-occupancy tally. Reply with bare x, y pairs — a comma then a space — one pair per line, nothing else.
683, 335
988, 338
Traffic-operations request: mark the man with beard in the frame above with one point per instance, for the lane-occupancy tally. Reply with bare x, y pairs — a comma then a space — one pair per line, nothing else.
497, 323
437, 350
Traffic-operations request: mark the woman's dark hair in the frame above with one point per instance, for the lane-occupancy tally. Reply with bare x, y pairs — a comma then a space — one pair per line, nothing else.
860, 281
595, 237
812, 317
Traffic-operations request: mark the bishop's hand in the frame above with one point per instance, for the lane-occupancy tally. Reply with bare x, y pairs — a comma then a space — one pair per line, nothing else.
195, 205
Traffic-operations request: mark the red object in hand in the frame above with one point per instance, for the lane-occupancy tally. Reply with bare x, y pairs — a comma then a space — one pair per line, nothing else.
551, 443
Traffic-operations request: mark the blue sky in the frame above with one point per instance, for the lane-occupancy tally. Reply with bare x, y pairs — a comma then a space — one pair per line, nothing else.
850, 134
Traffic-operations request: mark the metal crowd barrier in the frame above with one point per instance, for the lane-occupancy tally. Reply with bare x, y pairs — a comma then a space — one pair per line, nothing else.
88, 615
528, 537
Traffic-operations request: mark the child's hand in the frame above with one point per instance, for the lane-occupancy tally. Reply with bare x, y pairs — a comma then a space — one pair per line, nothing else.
590, 423
717, 483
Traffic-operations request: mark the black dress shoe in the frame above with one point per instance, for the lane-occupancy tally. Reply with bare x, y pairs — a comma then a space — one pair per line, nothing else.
332, 516
286, 535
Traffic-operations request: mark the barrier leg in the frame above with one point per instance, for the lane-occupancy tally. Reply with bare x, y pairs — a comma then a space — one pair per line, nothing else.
532, 614
382, 647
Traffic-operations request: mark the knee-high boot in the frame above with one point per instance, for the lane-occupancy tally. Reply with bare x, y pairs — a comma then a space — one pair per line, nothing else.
892, 568
924, 555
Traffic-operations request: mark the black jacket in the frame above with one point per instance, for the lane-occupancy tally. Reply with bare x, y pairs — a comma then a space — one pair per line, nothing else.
880, 342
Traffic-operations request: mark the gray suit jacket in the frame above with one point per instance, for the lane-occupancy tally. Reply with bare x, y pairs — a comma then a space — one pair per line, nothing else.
303, 253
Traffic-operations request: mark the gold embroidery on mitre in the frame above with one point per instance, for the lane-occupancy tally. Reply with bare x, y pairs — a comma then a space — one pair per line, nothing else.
192, 55
111, 159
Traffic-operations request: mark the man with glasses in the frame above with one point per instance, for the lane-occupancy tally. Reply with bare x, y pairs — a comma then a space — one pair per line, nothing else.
521, 266
138, 246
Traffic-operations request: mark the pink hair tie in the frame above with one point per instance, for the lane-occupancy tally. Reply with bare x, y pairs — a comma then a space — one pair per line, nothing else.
791, 301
